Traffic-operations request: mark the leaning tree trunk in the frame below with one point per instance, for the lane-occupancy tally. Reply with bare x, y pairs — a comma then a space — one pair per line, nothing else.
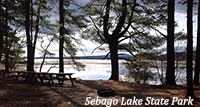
114, 60
197, 64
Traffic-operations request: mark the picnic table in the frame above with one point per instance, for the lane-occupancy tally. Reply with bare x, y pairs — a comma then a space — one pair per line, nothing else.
61, 77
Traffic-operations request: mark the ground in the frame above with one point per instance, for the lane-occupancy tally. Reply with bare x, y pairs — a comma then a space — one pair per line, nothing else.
33, 94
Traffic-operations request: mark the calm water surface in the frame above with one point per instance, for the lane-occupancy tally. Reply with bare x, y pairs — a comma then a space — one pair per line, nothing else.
98, 69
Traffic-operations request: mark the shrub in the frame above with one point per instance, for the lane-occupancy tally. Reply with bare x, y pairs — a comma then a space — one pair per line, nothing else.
138, 70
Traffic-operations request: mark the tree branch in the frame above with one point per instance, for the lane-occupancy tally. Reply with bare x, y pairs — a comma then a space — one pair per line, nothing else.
97, 48
121, 19
98, 31
106, 55
131, 35
106, 17
158, 31
130, 20
124, 48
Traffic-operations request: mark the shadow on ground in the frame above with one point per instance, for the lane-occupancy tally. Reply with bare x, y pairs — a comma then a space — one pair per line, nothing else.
15, 94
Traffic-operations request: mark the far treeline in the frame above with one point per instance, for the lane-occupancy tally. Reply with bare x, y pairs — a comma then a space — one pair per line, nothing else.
134, 26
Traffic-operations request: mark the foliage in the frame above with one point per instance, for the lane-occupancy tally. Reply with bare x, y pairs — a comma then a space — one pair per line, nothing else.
145, 18
15, 51
11, 43
138, 70
73, 22
127, 22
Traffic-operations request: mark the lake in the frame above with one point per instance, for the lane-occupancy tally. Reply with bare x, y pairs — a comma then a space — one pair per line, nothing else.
94, 70
98, 69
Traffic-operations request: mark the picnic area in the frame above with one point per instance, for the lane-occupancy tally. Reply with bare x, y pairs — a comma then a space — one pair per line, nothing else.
34, 94
101, 53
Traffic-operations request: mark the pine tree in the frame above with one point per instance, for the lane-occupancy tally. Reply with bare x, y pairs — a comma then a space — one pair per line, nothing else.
11, 45
116, 21
70, 22
37, 21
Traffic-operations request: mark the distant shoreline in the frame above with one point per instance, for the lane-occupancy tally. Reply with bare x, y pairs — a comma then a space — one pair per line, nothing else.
181, 64
124, 56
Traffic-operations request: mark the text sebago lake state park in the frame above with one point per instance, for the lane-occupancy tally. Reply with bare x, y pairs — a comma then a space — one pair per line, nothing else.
135, 101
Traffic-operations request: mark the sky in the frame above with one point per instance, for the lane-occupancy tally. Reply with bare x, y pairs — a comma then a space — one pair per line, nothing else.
180, 17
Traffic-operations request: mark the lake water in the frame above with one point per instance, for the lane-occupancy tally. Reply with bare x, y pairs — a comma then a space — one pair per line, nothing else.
99, 69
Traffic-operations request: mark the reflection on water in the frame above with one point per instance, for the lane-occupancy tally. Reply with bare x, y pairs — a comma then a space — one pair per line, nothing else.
94, 70
98, 69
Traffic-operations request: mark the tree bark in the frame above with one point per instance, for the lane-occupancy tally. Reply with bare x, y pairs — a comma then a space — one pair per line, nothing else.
189, 49
36, 29
114, 60
61, 63
1, 42
6, 52
1, 33
170, 76
197, 64
30, 56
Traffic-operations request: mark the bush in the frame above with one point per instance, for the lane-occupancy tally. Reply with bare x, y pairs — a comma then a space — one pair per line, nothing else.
138, 70
15, 50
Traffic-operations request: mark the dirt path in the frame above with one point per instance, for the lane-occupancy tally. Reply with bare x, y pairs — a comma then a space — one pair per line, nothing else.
18, 94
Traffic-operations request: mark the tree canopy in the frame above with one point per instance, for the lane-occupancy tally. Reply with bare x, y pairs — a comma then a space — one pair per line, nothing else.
126, 25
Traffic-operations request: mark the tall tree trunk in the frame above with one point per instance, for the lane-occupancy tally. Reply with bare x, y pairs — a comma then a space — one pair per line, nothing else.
1, 32
36, 29
30, 63
7, 65
197, 64
170, 76
61, 63
189, 49
31, 21
1, 41
114, 60
30, 56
